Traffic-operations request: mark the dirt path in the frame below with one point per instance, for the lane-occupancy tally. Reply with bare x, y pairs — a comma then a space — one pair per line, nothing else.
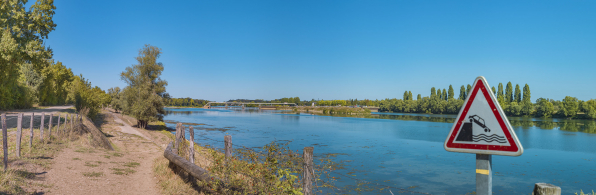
128, 170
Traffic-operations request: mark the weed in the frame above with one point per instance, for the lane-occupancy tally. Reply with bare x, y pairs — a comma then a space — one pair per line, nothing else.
132, 164
125, 171
93, 174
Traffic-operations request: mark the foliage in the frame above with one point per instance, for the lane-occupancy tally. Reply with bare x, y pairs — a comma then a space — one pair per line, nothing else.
186, 102
85, 97
545, 108
143, 98
517, 97
589, 107
569, 107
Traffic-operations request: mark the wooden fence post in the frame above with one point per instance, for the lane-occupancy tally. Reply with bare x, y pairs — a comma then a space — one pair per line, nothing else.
58, 127
43, 115
546, 189
228, 145
31, 127
19, 134
307, 171
5, 141
50, 127
71, 122
178, 132
191, 150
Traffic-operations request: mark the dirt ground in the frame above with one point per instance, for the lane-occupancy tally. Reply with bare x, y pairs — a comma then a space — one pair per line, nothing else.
81, 169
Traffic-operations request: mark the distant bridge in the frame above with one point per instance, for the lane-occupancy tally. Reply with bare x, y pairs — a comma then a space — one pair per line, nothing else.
261, 105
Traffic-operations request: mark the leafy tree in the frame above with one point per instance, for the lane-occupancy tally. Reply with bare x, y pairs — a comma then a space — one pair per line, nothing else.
462, 93
500, 93
145, 91
22, 49
544, 108
517, 94
410, 97
527, 95
444, 95
569, 107
451, 93
468, 90
433, 92
440, 94
589, 107
419, 97
509, 92
406, 95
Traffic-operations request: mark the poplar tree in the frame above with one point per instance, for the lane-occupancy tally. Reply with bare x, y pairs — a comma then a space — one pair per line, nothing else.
410, 97
517, 94
419, 97
444, 94
509, 92
468, 90
406, 95
526, 97
433, 92
500, 95
494, 90
145, 92
440, 94
462, 93
451, 92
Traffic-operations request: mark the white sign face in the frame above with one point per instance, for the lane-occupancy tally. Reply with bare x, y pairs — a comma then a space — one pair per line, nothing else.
481, 126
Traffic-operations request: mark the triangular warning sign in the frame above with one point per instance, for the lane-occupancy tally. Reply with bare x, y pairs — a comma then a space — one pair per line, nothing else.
481, 126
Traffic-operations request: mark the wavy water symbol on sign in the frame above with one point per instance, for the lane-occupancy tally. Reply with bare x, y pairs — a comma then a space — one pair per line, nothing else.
487, 138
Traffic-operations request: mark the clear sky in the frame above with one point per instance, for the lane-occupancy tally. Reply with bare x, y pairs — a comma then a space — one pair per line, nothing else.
221, 50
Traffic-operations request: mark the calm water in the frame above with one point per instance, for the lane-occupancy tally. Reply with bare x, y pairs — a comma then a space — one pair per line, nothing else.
406, 150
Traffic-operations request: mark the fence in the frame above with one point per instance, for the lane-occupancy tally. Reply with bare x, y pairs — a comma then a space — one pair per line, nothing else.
19, 133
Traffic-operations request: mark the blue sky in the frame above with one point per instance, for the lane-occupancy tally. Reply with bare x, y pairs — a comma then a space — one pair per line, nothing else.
221, 50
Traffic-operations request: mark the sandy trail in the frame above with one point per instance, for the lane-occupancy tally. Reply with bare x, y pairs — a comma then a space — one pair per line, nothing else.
128, 170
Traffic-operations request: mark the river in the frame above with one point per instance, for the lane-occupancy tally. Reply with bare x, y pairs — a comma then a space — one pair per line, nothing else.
405, 151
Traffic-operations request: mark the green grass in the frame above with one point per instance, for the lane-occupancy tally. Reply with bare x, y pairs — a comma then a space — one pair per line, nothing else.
132, 164
125, 171
93, 163
93, 174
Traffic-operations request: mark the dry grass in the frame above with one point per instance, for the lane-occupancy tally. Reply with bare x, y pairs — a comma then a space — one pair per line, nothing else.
168, 181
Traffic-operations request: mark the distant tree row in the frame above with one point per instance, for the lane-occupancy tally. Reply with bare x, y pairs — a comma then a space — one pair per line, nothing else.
186, 102
28, 73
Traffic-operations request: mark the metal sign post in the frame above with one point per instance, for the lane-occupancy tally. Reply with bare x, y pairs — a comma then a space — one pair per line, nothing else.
482, 128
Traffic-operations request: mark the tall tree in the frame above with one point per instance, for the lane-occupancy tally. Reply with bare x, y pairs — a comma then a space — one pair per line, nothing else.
444, 94
440, 94
419, 97
145, 91
433, 92
509, 92
406, 96
468, 90
527, 94
494, 90
462, 93
517, 97
570, 106
451, 92
410, 97
22, 48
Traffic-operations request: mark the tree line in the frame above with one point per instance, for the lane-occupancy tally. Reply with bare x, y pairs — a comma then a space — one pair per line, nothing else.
186, 102
514, 102
28, 73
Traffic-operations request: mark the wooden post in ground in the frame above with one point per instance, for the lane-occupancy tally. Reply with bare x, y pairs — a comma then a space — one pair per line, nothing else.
546, 189
307, 171
71, 122
58, 127
19, 134
228, 146
31, 127
5, 141
43, 115
191, 149
50, 127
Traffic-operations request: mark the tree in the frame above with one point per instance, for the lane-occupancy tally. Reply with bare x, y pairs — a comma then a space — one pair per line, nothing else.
468, 90
589, 107
517, 94
145, 91
419, 97
527, 96
444, 95
410, 97
22, 49
509, 92
451, 93
406, 95
501, 95
544, 108
115, 96
569, 107
433, 92
494, 90
462, 93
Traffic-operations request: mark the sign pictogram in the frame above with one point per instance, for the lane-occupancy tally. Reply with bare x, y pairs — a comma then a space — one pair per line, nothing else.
481, 126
